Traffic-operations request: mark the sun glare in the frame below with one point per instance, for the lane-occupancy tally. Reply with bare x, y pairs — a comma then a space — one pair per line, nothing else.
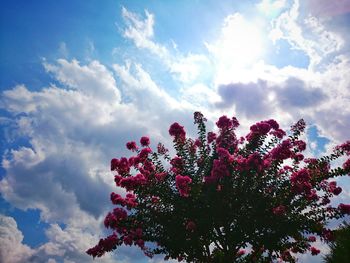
241, 42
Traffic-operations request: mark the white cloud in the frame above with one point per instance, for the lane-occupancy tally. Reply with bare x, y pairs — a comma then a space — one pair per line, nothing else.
185, 68
12, 250
141, 32
73, 133
307, 34
93, 79
77, 126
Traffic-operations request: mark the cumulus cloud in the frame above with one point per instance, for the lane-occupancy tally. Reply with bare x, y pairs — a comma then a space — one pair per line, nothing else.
12, 250
93, 79
295, 94
76, 126
250, 100
307, 34
73, 130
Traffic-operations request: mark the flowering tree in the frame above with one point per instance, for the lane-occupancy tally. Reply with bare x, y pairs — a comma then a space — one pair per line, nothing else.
223, 198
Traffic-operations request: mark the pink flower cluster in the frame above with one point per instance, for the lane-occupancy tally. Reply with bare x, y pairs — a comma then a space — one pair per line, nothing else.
227, 179
279, 210
177, 131
225, 123
301, 182
344, 208
104, 245
130, 183
183, 185
129, 201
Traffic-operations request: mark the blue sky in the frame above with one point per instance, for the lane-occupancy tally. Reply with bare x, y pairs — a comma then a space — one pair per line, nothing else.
80, 78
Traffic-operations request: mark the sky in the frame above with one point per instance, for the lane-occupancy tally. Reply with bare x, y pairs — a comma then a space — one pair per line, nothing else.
80, 78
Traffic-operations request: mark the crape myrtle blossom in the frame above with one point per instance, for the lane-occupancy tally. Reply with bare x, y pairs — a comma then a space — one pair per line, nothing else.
223, 198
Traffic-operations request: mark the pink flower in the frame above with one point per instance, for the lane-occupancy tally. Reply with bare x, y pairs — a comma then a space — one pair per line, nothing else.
224, 122
104, 245
224, 154
145, 141
344, 147
138, 232
110, 221
123, 166
211, 137
261, 128
301, 145
190, 226
241, 252
177, 131
132, 182
144, 153
119, 213
131, 146
286, 255
274, 125
314, 251
328, 234
279, 133
155, 199
117, 179
199, 117
117, 199
345, 209
160, 176
337, 190
334, 189
177, 162
346, 166
140, 243
312, 238
182, 184
281, 151
219, 169
299, 126
279, 210
114, 164
161, 149
127, 240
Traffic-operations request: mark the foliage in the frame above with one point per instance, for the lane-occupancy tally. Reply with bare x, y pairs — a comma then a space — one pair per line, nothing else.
223, 198
340, 247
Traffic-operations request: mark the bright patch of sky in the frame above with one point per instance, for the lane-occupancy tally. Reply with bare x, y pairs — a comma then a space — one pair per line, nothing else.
78, 79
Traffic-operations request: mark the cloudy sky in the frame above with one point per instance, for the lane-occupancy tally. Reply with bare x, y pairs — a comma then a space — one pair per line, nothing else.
80, 78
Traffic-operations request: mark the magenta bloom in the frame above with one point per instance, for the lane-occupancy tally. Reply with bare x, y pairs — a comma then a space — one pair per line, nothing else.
346, 166
145, 141
160, 176
312, 238
224, 122
144, 153
345, 209
274, 125
131, 146
104, 245
213, 191
182, 184
114, 164
314, 251
190, 226
211, 137
177, 131
279, 210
